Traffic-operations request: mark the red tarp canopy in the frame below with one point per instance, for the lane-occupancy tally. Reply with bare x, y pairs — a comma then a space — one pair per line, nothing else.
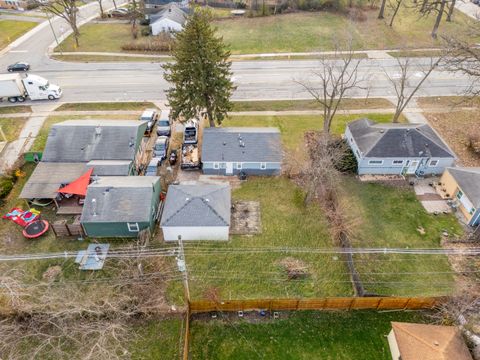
79, 186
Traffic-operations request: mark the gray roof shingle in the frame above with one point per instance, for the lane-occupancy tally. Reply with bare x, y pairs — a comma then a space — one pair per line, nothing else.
197, 205
172, 12
119, 199
110, 167
47, 178
397, 140
85, 140
468, 179
225, 144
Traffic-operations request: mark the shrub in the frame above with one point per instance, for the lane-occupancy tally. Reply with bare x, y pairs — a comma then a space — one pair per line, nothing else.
145, 31
345, 162
473, 144
357, 14
160, 43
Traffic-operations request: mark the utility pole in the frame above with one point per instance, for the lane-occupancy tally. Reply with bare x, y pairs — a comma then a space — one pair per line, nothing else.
182, 267
51, 27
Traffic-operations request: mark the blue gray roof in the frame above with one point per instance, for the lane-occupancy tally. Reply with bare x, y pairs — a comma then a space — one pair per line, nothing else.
197, 205
171, 11
119, 199
85, 140
110, 167
468, 179
397, 140
241, 144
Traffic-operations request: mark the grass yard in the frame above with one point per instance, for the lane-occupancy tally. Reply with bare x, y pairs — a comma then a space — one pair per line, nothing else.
15, 109
457, 128
10, 30
286, 105
259, 275
11, 128
106, 106
99, 37
307, 31
41, 139
297, 32
293, 127
328, 335
386, 216
106, 58
448, 101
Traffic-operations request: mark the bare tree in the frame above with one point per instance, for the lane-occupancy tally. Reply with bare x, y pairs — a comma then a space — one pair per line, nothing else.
67, 10
437, 7
100, 5
381, 13
332, 81
450, 10
402, 82
464, 57
395, 7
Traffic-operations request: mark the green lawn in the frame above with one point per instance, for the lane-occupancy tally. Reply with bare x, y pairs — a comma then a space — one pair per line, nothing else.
10, 30
385, 216
286, 222
11, 127
293, 127
298, 32
99, 37
305, 31
106, 106
328, 335
41, 139
286, 105
15, 109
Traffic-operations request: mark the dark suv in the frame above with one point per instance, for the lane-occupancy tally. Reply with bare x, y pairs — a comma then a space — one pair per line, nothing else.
19, 66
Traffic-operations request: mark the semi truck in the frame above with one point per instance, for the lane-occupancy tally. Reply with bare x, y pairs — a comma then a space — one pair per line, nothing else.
15, 88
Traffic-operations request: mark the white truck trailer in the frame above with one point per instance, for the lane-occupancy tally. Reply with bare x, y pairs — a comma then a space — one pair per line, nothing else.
15, 88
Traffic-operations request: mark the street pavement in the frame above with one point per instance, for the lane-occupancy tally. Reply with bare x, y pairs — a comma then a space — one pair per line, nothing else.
255, 79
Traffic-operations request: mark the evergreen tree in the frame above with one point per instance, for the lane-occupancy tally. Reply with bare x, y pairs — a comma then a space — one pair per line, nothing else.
200, 74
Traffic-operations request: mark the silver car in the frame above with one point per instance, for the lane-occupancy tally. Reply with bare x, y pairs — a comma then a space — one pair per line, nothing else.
161, 147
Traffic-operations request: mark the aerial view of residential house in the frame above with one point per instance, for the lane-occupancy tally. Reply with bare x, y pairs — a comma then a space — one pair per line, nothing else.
234, 150
197, 212
410, 341
397, 149
75, 146
15, 4
463, 185
121, 206
171, 18
153, 6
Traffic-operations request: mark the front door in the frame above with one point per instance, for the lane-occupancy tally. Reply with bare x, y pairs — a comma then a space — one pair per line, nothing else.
229, 168
412, 167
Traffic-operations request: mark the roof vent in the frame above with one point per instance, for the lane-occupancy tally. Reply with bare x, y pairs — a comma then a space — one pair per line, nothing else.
436, 343
241, 144
98, 131
382, 131
131, 143
207, 200
224, 143
94, 207
186, 199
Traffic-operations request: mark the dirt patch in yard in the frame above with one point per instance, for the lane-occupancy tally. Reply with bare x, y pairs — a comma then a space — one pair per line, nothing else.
456, 128
245, 218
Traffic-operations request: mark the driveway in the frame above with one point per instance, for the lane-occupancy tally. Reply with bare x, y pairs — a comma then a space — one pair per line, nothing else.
429, 198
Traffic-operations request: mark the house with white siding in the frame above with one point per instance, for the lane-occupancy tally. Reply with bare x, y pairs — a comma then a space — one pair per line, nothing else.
197, 212
397, 149
234, 150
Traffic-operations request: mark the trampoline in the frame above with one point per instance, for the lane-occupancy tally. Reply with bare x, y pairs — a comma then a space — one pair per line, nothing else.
35, 229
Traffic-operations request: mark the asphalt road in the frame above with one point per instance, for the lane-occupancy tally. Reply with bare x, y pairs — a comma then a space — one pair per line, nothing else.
274, 79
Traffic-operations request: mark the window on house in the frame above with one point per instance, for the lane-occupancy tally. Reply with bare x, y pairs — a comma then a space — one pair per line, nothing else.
216, 165
239, 166
433, 163
397, 162
358, 153
375, 162
222, 165
133, 227
263, 166
459, 194
472, 211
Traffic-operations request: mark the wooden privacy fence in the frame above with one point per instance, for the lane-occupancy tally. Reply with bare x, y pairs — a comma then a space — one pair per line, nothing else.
339, 303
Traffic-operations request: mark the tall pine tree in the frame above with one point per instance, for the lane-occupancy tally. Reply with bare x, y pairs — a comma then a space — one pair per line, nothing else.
200, 74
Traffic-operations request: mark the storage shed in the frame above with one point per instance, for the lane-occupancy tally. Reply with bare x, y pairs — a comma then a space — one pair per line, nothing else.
121, 206
196, 212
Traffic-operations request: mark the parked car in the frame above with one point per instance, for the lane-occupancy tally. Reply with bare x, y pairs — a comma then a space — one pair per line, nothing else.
163, 125
151, 116
173, 157
19, 66
161, 147
152, 167
118, 13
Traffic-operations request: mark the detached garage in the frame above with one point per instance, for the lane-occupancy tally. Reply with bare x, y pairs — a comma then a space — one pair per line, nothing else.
196, 212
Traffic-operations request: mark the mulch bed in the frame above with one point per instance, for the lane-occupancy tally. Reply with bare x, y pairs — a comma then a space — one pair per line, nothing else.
245, 219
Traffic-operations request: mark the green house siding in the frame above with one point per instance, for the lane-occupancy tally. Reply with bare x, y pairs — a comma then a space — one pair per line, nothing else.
113, 229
